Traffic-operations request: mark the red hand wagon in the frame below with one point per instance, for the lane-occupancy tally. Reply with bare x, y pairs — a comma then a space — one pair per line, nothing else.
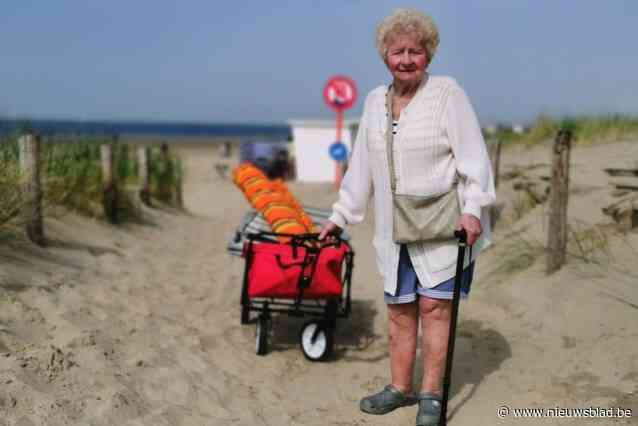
303, 277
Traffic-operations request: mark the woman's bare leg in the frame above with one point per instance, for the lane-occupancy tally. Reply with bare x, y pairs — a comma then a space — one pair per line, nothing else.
435, 327
403, 328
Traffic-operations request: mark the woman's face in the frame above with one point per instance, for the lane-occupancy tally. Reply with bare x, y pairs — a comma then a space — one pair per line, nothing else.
406, 58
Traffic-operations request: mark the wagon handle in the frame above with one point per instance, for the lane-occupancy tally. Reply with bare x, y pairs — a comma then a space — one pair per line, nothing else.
313, 238
289, 265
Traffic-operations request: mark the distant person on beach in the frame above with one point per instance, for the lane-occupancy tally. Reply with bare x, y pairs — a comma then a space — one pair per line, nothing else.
279, 167
437, 138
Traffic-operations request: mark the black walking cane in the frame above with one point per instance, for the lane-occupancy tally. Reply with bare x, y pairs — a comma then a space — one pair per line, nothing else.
462, 236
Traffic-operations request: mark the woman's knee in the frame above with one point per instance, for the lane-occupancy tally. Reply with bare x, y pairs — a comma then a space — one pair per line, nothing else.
403, 313
434, 309
403, 321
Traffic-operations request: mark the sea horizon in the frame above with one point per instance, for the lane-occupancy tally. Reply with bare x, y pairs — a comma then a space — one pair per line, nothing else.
148, 128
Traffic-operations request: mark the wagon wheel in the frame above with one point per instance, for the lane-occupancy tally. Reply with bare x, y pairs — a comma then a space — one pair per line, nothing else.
261, 335
317, 340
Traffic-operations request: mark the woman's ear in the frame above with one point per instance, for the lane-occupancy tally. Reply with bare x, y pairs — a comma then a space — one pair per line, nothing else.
385, 56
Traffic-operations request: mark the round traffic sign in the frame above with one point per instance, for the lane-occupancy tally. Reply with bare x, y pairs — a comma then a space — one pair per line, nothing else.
340, 92
338, 151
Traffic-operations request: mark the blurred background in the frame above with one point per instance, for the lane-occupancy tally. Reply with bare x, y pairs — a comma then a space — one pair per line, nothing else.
121, 123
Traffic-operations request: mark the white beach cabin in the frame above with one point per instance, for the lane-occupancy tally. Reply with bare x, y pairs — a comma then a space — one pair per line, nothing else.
311, 142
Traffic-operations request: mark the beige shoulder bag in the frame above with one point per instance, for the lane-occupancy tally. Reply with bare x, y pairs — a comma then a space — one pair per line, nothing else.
419, 218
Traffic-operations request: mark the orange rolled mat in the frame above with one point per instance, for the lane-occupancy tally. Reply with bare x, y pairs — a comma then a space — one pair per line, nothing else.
274, 212
255, 186
273, 200
246, 171
261, 199
288, 226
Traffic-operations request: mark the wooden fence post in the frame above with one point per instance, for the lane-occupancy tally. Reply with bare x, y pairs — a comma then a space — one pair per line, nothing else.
122, 161
144, 175
108, 183
31, 188
225, 149
558, 197
494, 152
179, 182
165, 190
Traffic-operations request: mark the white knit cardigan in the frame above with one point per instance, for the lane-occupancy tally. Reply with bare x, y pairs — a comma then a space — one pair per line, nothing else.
438, 137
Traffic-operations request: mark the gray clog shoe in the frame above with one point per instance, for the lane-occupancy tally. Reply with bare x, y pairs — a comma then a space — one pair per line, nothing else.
385, 401
429, 413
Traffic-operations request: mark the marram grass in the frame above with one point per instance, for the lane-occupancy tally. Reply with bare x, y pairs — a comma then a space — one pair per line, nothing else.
71, 176
10, 194
585, 129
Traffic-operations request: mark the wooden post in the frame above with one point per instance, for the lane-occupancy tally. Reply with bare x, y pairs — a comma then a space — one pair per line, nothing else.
558, 197
32, 191
494, 152
225, 149
143, 172
165, 190
495, 158
108, 183
179, 180
122, 161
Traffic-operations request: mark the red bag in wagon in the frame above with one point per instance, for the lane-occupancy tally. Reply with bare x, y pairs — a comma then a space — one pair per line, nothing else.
278, 270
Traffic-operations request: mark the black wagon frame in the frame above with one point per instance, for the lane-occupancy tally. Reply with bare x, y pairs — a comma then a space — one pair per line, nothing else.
323, 312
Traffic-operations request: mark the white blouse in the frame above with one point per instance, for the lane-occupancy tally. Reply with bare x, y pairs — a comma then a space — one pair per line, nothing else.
437, 138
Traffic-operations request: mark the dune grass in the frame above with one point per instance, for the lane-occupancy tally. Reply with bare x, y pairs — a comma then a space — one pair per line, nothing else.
165, 172
10, 194
71, 176
585, 129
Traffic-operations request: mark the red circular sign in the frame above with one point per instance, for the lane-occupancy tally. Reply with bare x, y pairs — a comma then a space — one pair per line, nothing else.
340, 92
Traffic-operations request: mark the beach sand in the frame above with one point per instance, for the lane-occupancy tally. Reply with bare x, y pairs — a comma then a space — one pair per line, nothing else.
140, 324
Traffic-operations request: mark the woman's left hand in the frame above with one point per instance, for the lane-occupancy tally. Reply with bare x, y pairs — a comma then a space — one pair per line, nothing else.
472, 227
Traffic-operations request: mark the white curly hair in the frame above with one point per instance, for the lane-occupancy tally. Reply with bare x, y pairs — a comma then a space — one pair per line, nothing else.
412, 22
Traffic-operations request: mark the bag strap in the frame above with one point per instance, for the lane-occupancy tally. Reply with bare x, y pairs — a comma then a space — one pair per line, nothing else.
389, 138
389, 134
305, 278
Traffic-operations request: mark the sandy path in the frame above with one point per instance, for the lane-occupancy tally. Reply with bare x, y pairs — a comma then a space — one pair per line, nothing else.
141, 326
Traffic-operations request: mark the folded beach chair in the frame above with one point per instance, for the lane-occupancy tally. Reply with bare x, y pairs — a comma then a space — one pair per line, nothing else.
254, 223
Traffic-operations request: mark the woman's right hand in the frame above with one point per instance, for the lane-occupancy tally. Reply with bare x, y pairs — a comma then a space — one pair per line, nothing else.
329, 228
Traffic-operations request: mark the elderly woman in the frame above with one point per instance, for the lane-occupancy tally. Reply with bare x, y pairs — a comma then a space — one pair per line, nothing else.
437, 141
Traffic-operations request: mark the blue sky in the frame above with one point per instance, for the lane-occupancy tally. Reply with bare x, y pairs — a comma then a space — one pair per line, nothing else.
267, 61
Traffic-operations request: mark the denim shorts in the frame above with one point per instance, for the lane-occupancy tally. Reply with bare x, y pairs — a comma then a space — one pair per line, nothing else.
408, 285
